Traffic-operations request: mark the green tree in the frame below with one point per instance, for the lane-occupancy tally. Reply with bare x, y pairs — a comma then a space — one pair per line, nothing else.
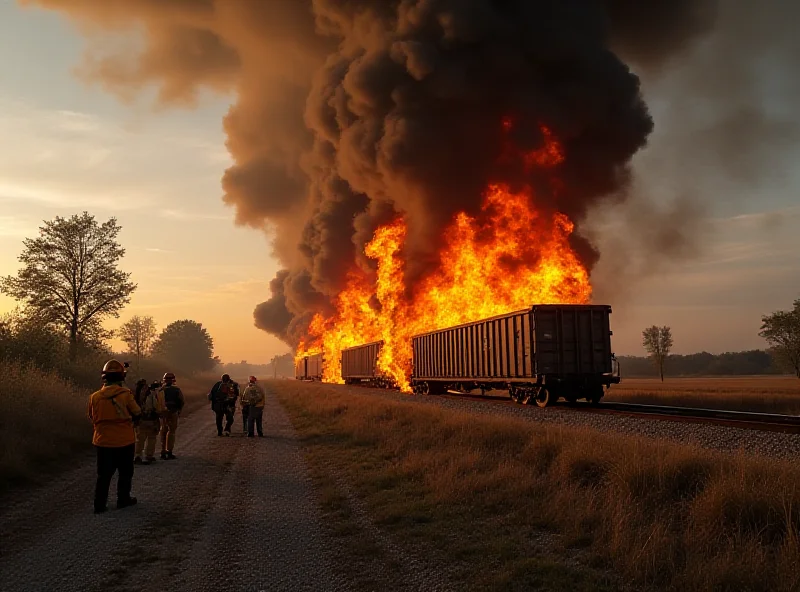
138, 334
70, 277
187, 346
781, 329
657, 341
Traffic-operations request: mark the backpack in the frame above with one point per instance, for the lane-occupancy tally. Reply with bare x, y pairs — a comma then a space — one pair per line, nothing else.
172, 398
225, 391
150, 408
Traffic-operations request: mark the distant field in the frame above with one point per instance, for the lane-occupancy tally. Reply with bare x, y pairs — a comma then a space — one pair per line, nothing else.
763, 394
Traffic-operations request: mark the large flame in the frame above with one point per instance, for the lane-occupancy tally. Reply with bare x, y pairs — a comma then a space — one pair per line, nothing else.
508, 257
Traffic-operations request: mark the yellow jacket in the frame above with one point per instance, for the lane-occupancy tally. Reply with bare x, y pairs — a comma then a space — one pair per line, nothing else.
254, 395
111, 411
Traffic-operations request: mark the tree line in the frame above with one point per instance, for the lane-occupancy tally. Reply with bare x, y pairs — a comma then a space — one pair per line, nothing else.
703, 364
780, 329
69, 283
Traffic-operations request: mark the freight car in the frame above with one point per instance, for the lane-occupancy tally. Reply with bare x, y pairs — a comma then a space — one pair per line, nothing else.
308, 367
360, 366
539, 354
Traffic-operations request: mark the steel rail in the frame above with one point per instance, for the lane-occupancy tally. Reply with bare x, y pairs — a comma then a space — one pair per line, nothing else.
739, 419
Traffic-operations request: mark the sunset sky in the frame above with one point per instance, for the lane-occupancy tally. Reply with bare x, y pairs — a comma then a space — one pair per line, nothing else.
67, 147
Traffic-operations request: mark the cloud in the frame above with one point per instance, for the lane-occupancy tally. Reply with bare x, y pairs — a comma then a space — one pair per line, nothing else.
11, 226
57, 193
186, 215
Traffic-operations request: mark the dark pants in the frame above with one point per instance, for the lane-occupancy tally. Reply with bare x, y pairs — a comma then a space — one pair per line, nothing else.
244, 417
254, 419
227, 413
109, 461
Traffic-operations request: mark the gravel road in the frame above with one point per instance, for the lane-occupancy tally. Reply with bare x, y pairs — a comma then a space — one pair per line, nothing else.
231, 514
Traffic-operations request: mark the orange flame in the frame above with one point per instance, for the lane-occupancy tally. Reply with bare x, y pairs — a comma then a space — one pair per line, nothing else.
508, 257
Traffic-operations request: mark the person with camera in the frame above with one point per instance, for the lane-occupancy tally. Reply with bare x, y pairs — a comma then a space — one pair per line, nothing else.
173, 403
151, 400
112, 411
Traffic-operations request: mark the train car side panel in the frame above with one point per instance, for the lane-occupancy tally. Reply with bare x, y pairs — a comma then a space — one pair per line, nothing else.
300, 368
360, 363
544, 352
314, 367
572, 341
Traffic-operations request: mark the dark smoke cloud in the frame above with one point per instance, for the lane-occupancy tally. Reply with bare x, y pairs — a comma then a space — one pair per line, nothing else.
350, 112
727, 131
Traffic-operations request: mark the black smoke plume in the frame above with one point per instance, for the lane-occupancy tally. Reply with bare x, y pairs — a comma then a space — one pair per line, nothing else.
349, 112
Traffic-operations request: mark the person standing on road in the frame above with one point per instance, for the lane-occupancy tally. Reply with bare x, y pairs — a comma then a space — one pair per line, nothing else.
173, 403
223, 397
245, 410
254, 395
151, 400
112, 411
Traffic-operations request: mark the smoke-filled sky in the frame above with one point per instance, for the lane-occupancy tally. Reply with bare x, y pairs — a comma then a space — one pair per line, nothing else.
351, 111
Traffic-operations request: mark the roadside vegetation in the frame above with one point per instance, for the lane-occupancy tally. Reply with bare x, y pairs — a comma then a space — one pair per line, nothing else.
42, 421
758, 394
504, 505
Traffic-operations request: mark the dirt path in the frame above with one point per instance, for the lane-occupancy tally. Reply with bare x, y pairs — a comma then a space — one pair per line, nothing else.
230, 514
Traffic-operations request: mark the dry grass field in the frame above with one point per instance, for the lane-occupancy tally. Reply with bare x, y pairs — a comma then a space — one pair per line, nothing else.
504, 505
762, 394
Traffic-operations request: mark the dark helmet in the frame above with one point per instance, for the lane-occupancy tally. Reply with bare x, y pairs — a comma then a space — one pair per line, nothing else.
114, 371
226, 378
169, 378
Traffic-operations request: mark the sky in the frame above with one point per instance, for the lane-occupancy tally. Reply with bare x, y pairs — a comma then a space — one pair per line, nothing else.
68, 147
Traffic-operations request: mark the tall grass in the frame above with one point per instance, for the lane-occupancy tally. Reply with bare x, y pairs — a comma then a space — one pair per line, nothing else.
42, 421
654, 514
767, 394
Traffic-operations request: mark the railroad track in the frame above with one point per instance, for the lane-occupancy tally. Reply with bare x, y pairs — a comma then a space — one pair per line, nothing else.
773, 422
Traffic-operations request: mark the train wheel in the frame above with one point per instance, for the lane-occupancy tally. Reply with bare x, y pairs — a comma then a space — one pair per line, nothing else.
595, 395
543, 397
424, 389
513, 392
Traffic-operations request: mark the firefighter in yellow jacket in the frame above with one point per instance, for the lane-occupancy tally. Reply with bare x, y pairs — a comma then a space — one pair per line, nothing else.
112, 411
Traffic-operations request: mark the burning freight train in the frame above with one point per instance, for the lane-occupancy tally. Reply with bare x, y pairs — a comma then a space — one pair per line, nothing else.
540, 354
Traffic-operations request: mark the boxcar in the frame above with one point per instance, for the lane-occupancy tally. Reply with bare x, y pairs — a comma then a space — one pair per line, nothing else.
360, 365
541, 353
308, 367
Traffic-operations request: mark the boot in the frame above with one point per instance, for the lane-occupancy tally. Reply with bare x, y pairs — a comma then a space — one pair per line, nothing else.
131, 501
138, 460
150, 459
171, 456
164, 455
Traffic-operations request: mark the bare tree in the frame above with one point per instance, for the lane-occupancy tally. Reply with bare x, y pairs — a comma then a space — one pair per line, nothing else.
69, 276
657, 341
781, 329
138, 334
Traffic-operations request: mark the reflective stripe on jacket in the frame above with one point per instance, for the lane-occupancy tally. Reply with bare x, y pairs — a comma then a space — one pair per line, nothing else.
111, 411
